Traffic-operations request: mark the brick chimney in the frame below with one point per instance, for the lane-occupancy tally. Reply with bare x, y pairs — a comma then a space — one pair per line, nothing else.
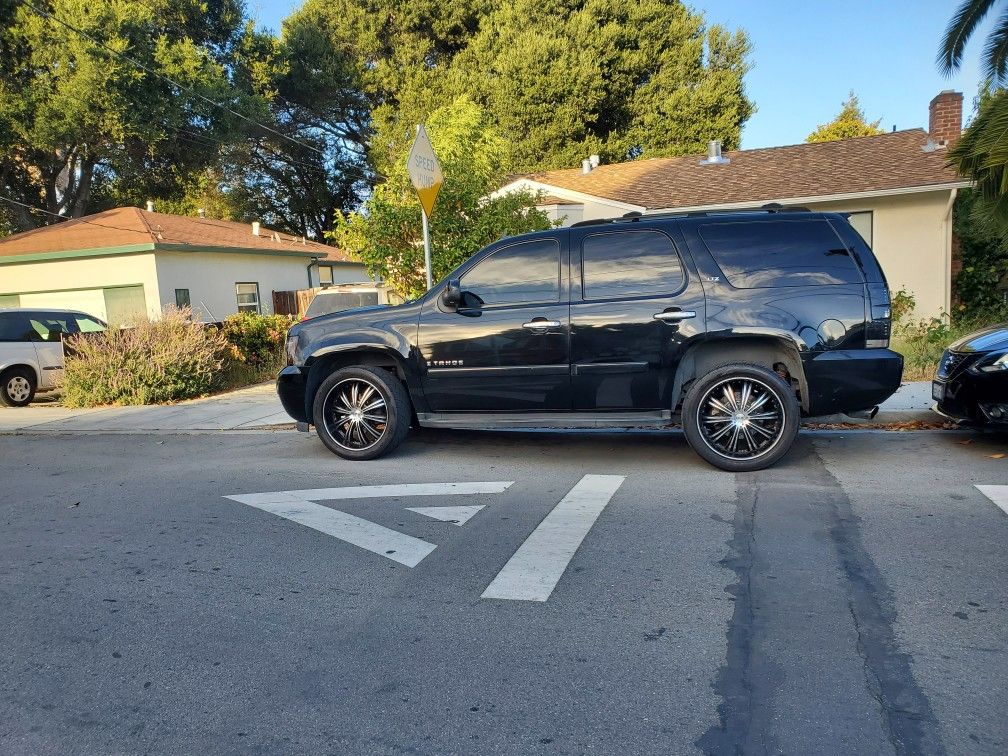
945, 118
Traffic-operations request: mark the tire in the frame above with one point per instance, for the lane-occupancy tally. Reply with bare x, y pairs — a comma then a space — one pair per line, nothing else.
351, 434
17, 387
741, 417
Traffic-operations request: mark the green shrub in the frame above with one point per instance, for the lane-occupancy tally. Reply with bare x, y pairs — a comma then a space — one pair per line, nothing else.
922, 342
255, 347
147, 362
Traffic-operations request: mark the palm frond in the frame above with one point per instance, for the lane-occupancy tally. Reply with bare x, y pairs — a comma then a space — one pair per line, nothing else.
981, 155
960, 29
996, 51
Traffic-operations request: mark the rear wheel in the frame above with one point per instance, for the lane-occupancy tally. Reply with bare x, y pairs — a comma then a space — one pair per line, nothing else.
17, 387
741, 417
361, 412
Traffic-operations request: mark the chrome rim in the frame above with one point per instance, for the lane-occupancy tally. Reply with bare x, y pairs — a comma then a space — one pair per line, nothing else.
355, 413
741, 418
18, 388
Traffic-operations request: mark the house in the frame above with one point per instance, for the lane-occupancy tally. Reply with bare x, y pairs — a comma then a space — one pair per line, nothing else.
897, 188
123, 262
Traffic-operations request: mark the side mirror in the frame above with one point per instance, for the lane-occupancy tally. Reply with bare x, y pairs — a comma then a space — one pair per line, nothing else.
451, 295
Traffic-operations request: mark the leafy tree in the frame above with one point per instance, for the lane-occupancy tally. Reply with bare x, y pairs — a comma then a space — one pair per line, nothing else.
984, 259
850, 122
386, 234
78, 122
302, 182
571, 77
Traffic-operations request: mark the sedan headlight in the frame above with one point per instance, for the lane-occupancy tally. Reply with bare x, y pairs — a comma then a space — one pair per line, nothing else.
1001, 363
292, 344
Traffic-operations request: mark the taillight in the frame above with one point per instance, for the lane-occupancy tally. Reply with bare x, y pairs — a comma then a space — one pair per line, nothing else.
878, 329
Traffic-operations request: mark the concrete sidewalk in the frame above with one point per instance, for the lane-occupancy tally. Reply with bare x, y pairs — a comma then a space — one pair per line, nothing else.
246, 408
258, 407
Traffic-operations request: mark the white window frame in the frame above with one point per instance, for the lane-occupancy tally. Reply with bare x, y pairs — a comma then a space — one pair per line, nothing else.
238, 294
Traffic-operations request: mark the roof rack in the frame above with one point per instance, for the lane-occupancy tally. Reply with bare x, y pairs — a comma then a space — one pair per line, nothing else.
634, 216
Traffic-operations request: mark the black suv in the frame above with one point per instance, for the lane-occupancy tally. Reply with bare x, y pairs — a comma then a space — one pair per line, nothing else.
734, 324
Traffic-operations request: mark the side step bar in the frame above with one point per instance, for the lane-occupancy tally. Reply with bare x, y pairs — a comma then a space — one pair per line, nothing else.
543, 419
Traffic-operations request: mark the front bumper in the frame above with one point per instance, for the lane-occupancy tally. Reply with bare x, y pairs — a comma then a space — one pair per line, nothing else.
848, 380
973, 397
291, 390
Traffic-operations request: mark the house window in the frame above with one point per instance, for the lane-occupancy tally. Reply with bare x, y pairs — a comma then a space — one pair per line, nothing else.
862, 223
182, 298
248, 297
325, 275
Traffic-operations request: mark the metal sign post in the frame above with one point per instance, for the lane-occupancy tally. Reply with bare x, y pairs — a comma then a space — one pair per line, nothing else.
425, 173
426, 248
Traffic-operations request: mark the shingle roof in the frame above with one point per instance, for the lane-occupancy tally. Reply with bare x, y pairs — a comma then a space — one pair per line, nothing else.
889, 161
126, 226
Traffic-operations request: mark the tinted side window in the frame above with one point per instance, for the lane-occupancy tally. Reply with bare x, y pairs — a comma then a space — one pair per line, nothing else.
780, 253
13, 326
629, 263
522, 273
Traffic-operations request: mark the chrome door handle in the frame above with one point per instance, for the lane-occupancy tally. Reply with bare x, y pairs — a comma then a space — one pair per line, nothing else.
674, 315
536, 325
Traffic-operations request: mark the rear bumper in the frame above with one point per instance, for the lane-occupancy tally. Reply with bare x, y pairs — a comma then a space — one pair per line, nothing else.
291, 390
848, 380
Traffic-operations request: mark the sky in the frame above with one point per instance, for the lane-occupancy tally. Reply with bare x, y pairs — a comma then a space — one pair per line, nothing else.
808, 55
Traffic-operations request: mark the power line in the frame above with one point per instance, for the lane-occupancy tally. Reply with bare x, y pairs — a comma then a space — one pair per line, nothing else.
152, 72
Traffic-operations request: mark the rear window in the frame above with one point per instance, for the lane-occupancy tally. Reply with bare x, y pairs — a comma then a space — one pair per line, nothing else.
325, 303
780, 253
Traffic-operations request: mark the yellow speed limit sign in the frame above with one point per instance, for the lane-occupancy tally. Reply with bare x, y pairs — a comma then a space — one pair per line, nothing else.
425, 170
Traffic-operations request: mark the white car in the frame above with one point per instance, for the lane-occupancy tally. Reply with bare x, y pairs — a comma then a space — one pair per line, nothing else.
31, 350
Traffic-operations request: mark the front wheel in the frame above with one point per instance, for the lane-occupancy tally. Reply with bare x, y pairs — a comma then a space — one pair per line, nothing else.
361, 412
17, 387
741, 417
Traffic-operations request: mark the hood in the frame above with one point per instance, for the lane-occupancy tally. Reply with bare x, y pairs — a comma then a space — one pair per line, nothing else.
993, 339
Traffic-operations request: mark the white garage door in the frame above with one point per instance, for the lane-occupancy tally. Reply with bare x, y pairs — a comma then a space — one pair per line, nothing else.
115, 305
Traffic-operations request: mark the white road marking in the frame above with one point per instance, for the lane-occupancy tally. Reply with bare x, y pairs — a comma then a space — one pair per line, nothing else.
456, 515
997, 494
392, 544
372, 492
298, 506
536, 568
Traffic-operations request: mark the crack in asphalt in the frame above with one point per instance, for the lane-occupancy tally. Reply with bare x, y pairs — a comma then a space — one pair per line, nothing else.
746, 710
734, 681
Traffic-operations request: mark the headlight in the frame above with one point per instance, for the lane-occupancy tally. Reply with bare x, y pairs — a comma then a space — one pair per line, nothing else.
292, 344
1001, 363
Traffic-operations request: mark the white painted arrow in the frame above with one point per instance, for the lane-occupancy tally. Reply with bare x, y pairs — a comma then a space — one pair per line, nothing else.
997, 494
299, 506
457, 515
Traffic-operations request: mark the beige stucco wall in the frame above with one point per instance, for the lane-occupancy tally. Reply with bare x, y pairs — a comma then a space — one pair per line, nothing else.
211, 279
912, 241
84, 273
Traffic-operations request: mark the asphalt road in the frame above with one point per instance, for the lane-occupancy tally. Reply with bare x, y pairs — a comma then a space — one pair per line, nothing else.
851, 600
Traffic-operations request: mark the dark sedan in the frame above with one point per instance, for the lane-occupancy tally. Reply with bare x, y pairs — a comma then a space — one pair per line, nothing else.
971, 385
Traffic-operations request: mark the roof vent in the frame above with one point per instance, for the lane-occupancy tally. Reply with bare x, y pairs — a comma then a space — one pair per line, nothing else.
586, 166
255, 228
150, 206
714, 156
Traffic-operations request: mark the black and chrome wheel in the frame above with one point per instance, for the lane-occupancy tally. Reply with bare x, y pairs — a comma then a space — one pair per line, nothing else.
17, 387
741, 417
361, 412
